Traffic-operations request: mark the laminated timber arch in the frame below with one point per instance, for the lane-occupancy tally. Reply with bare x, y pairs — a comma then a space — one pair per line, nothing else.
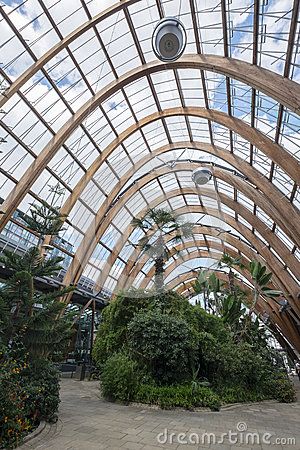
256, 196
274, 151
280, 322
197, 254
273, 194
184, 281
239, 245
264, 304
283, 321
291, 287
99, 225
280, 88
283, 90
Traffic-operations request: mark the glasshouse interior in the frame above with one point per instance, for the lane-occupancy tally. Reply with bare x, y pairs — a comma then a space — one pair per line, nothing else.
149, 224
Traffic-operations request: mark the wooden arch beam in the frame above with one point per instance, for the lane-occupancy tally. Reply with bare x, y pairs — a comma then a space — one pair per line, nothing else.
207, 231
256, 138
283, 90
196, 254
266, 303
136, 261
291, 287
203, 254
256, 196
282, 320
273, 194
185, 281
61, 45
274, 151
100, 223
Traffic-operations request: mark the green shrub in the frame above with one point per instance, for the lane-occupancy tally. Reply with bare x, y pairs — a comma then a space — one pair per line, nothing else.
28, 393
165, 345
282, 388
185, 343
15, 420
177, 396
43, 389
239, 394
277, 387
119, 378
112, 334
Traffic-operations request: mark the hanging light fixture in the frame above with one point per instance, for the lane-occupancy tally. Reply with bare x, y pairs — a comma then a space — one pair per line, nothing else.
201, 176
169, 39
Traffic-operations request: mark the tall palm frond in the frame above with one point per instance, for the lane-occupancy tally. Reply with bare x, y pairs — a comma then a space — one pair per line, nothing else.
163, 223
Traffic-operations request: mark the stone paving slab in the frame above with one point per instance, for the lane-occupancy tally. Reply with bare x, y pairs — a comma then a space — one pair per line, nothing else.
87, 422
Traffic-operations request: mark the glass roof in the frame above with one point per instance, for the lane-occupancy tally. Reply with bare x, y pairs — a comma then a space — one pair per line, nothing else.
127, 154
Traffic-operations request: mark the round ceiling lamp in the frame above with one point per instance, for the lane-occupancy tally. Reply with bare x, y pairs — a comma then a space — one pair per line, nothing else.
169, 39
201, 176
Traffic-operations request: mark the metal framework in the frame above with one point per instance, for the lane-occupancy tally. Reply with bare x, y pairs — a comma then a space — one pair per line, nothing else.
83, 105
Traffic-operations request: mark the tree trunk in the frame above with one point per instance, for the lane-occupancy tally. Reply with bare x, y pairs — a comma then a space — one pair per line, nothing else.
159, 274
231, 281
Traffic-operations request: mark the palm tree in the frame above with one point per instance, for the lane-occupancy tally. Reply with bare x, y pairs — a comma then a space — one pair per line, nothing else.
158, 224
230, 263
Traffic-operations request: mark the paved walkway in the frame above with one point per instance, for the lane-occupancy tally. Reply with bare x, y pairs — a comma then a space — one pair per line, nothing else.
87, 422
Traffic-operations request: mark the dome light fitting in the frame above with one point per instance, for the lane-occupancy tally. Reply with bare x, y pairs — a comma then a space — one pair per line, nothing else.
169, 39
201, 176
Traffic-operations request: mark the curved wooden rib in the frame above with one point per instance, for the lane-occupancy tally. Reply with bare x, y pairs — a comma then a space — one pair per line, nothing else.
187, 280
283, 90
282, 320
98, 225
265, 145
61, 45
275, 265
196, 254
136, 261
274, 151
275, 197
208, 231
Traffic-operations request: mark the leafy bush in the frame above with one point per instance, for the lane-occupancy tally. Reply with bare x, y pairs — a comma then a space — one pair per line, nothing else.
282, 388
14, 411
239, 394
43, 390
112, 334
177, 396
165, 345
186, 344
27, 394
119, 378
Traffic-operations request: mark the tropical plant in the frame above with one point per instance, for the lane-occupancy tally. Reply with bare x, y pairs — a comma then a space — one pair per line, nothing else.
230, 263
184, 356
34, 332
201, 287
232, 308
159, 224
211, 287
261, 281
